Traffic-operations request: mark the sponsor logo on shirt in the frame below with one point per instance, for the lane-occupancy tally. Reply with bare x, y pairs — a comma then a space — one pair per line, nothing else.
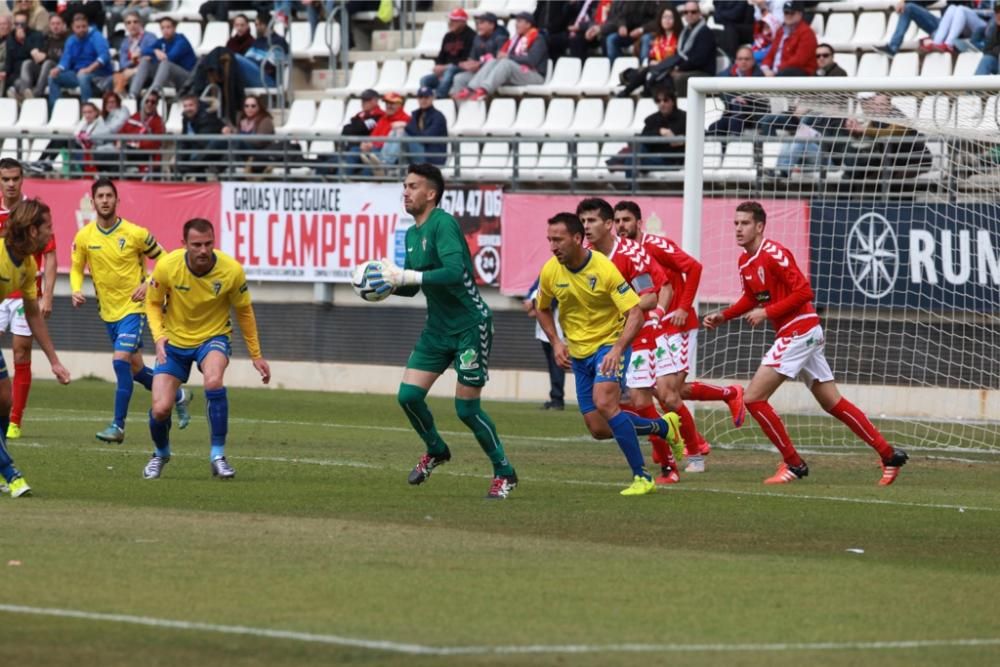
763, 297
621, 288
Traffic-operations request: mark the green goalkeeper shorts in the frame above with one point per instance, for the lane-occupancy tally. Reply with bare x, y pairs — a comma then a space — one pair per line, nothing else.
468, 351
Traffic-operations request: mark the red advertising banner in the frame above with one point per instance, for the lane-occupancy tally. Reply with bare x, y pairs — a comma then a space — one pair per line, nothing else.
526, 249
161, 208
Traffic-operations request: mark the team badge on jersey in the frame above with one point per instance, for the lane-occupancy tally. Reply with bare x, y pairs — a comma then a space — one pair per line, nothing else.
217, 287
592, 281
467, 360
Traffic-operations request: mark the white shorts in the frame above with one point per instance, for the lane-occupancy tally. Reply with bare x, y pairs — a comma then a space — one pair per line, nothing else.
12, 314
679, 352
641, 371
800, 357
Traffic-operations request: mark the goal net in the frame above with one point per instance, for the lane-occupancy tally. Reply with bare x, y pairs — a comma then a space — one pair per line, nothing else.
888, 194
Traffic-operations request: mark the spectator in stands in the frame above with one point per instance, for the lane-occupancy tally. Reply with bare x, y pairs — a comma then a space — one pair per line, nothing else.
113, 119
38, 16
668, 121
121, 8
522, 60
627, 21
456, 45
360, 124
197, 119
131, 75
313, 13
92, 9
489, 38
959, 21
19, 45
381, 150
657, 46
90, 118
256, 120
990, 62
269, 50
737, 22
793, 52
554, 18
6, 30
585, 32
171, 57
145, 121
85, 62
241, 39
427, 121
912, 11
35, 71
695, 54
785, 123
883, 152
742, 111
764, 30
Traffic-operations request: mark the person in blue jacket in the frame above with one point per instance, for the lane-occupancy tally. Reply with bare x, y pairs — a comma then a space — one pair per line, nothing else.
85, 62
171, 57
427, 121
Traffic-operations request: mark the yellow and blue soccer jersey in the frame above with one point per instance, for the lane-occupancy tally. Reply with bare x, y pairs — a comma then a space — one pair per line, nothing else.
17, 277
195, 308
592, 301
117, 259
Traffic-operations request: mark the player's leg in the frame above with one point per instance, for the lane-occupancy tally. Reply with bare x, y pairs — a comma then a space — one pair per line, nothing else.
167, 378
699, 391
22, 342
11, 476
763, 385
640, 378
213, 359
429, 358
6, 313
672, 364
143, 374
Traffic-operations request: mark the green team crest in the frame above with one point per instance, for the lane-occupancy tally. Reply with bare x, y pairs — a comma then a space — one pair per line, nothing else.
636, 362
467, 360
660, 352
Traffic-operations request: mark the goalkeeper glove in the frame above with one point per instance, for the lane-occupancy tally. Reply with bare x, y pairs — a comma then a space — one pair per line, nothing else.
388, 276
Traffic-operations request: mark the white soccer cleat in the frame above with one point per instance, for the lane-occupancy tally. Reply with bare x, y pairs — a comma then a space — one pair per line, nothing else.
695, 463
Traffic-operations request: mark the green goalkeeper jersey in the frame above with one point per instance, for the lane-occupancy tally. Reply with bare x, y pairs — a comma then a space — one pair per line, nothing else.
438, 249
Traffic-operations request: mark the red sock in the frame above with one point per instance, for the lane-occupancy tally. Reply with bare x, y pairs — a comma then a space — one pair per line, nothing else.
775, 431
689, 431
708, 392
660, 446
21, 389
858, 422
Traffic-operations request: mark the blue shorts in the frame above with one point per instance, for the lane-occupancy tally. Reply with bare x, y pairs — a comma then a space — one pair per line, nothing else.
587, 372
3, 368
179, 359
126, 333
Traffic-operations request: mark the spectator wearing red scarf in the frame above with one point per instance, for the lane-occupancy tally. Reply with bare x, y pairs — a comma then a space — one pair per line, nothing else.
523, 60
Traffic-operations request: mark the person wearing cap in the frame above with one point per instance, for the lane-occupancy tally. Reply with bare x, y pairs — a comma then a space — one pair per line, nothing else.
374, 152
489, 38
426, 121
793, 51
522, 60
455, 48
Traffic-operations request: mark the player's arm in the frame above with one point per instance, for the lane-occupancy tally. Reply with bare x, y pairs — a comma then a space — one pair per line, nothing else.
77, 264
239, 298
151, 250
49, 282
155, 298
547, 321
41, 334
691, 269
627, 302
799, 291
451, 249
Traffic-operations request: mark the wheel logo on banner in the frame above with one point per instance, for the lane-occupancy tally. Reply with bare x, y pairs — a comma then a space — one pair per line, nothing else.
873, 255
487, 263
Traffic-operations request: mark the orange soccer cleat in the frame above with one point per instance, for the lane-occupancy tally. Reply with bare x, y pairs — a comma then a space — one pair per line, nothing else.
785, 474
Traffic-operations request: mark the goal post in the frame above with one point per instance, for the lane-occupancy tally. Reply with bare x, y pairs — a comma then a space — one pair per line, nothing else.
888, 193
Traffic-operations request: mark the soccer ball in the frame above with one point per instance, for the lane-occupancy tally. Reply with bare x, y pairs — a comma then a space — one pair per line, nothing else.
360, 283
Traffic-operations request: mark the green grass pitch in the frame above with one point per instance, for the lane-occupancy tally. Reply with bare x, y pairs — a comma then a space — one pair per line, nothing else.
319, 553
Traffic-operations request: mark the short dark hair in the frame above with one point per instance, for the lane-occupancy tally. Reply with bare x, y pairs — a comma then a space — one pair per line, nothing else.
663, 91
80, 15
103, 182
11, 163
432, 174
264, 17
572, 222
240, 16
198, 225
824, 45
754, 209
171, 20
602, 207
631, 207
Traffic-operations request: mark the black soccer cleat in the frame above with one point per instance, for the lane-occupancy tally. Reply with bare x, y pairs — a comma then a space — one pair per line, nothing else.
427, 463
891, 466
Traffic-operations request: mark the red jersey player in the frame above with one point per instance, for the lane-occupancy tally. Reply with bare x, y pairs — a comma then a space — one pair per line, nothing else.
649, 282
679, 339
774, 289
12, 402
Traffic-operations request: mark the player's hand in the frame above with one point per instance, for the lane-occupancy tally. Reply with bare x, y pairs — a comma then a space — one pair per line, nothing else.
561, 354
263, 368
656, 315
713, 320
392, 275
678, 318
78, 299
755, 316
45, 306
139, 294
161, 351
60, 372
610, 363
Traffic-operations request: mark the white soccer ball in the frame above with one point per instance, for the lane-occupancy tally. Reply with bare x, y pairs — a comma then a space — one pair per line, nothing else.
360, 283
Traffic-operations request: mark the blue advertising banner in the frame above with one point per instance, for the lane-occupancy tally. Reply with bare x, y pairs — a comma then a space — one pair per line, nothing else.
934, 256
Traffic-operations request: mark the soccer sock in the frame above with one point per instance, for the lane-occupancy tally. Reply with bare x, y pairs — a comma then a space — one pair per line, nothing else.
644, 426
775, 431
689, 431
19, 394
160, 432
858, 422
218, 420
698, 391
628, 441
411, 399
123, 390
145, 378
472, 415
660, 446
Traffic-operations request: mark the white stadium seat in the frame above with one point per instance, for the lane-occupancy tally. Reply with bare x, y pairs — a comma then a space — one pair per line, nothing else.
364, 74
553, 162
620, 65
175, 119
320, 48
873, 65
468, 158
419, 68
500, 118
935, 109
588, 117
300, 117
530, 114
447, 108
8, 111
839, 31
192, 31
300, 39
618, 116
329, 118
936, 64
430, 40
392, 77
565, 77
869, 31
65, 115
967, 63
905, 64
594, 77
34, 115
849, 61
494, 162
216, 34
558, 117
968, 111
643, 108
471, 117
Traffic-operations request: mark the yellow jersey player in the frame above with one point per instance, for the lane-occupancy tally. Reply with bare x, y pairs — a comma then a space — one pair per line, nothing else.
600, 316
28, 229
190, 296
116, 251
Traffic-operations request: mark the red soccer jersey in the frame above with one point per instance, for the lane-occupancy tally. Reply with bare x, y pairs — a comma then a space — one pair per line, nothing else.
684, 274
39, 257
772, 279
642, 273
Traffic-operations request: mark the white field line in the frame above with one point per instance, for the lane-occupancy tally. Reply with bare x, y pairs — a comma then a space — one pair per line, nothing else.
419, 649
340, 463
828, 450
